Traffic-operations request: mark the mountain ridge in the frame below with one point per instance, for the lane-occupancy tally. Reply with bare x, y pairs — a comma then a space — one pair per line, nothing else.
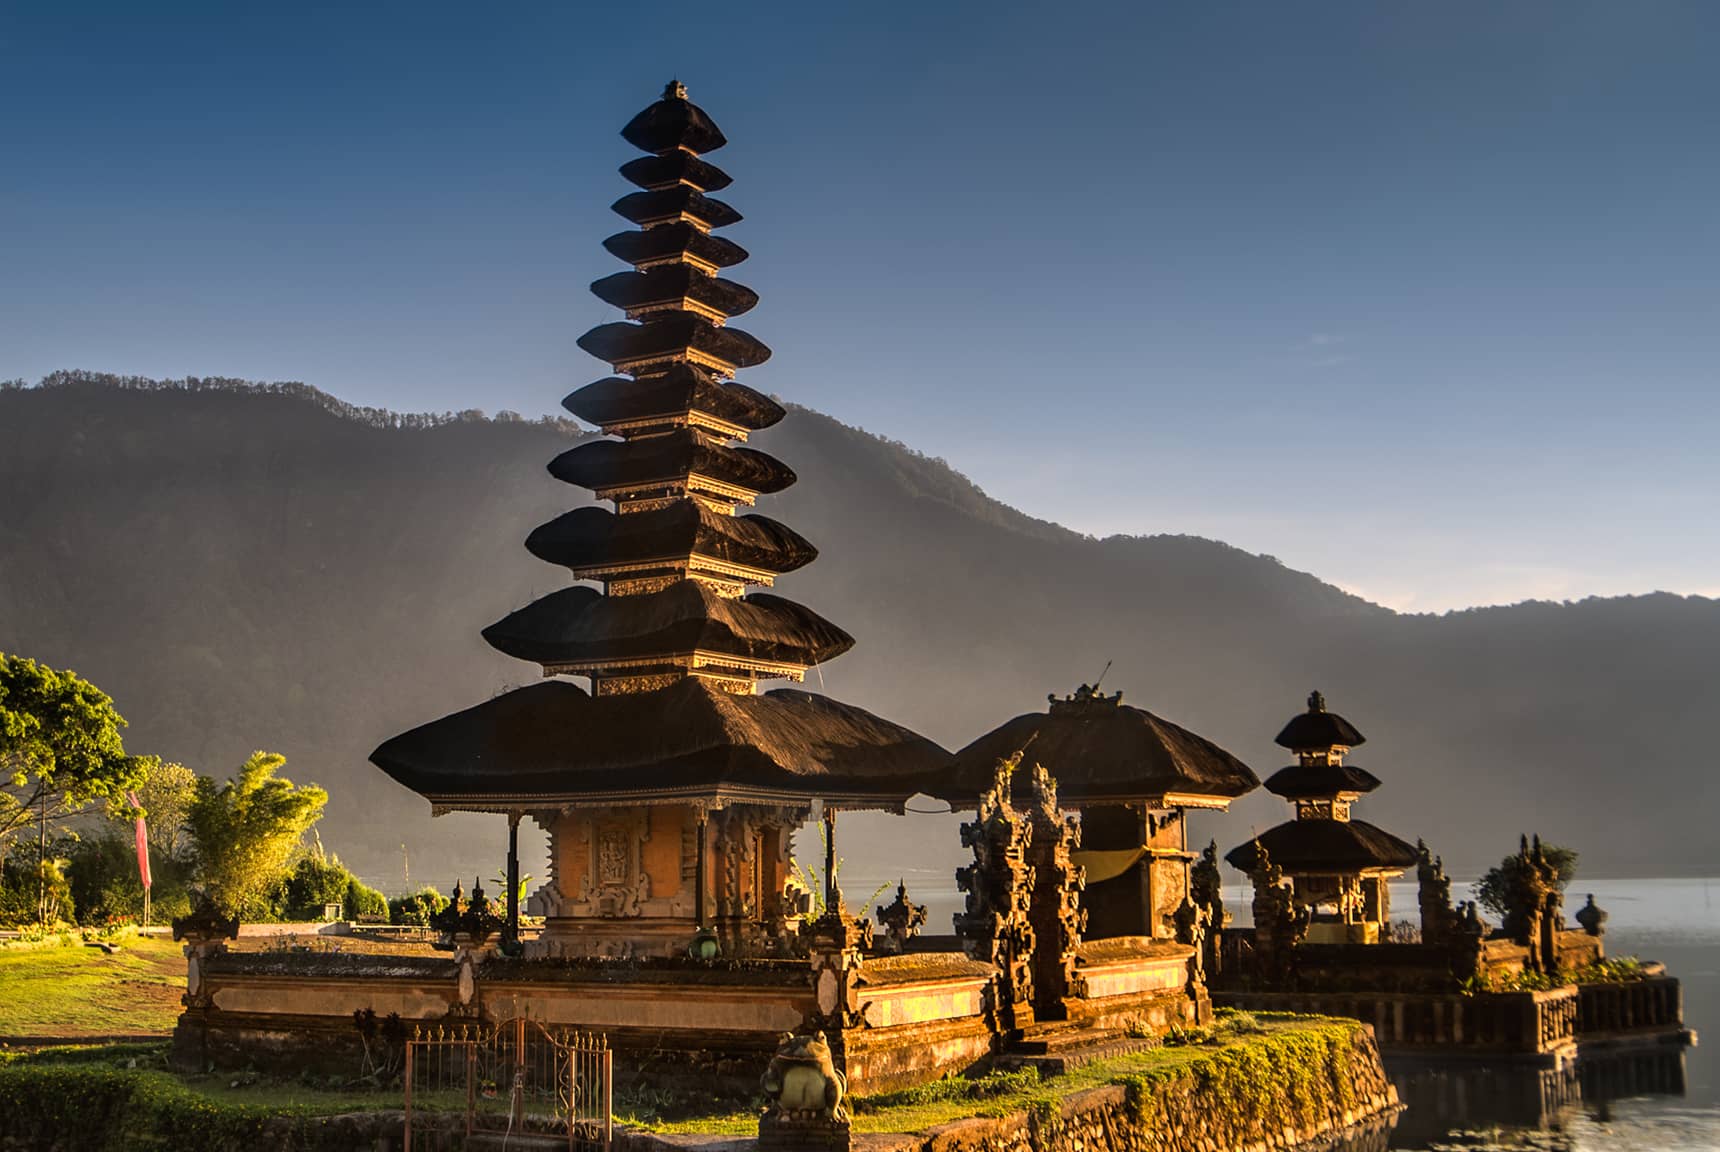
265, 566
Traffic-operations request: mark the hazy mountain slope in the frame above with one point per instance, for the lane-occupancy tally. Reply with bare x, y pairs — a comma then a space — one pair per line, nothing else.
246, 569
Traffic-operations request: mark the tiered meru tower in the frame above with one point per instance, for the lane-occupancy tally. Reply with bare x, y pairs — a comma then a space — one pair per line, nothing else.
671, 790
1337, 866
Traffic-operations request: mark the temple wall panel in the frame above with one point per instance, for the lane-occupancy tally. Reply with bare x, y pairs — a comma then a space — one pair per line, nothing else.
923, 1003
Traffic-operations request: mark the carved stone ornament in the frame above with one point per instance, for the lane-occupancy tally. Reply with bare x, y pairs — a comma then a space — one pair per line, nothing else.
901, 918
1592, 917
805, 1098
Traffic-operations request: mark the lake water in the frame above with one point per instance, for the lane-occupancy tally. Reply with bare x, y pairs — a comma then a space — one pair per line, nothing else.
1662, 1102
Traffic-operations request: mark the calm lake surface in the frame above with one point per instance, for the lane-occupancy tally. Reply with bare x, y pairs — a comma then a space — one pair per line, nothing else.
1662, 1102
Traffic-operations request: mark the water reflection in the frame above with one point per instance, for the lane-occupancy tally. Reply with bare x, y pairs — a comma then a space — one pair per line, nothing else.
1451, 1105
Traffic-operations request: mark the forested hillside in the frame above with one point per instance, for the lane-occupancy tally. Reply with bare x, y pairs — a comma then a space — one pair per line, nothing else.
248, 567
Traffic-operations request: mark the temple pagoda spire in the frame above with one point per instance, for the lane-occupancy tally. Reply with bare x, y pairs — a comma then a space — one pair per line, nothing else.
671, 791
675, 560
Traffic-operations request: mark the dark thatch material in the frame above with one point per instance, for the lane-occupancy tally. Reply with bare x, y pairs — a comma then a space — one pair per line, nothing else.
673, 122
642, 206
672, 240
579, 624
1326, 847
590, 537
1317, 729
670, 333
1101, 751
673, 167
666, 458
1308, 781
664, 283
680, 388
554, 743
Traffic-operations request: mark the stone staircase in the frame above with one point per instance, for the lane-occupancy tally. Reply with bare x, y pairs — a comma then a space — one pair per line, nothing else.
1055, 1047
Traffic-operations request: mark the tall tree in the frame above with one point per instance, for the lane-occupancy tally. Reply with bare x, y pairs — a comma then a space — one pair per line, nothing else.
246, 830
166, 795
60, 754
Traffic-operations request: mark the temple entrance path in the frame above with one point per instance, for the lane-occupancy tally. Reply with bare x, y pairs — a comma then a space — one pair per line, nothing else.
71, 992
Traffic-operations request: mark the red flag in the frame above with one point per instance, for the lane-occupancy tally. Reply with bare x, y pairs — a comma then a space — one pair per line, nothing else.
142, 842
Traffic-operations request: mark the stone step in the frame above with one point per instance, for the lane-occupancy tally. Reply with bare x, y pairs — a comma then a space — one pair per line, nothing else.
1057, 1049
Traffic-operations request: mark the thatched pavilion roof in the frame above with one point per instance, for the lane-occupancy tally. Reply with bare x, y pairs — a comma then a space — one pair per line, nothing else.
580, 624
673, 332
665, 203
553, 744
673, 456
668, 240
591, 538
673, 283
1326, 848
679, 388
1102, 751
1317, 730
676, 167
1307, 781
673, 122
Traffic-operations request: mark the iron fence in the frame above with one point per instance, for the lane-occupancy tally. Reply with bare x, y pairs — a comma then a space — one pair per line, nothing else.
518, 1077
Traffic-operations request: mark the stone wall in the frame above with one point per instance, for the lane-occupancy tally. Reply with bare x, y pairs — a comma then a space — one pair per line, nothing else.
1531, 1024
1257, 1102
1616, 1011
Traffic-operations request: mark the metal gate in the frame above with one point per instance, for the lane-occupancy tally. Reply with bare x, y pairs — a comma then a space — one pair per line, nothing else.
517, 1079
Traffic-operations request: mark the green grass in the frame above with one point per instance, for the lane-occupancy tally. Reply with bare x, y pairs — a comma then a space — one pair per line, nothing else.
1270, 1057
71, 991
1268, 1036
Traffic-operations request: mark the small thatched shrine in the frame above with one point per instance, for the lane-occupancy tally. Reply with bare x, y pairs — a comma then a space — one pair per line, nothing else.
1132, 776
671, 789
1337, 867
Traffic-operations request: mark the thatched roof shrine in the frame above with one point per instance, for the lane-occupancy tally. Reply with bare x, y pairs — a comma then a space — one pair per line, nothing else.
554, 744
1326, 847
1102, 751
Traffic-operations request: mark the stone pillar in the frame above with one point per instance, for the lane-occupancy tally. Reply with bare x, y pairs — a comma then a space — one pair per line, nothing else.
1054, 908
996, 926
205, 933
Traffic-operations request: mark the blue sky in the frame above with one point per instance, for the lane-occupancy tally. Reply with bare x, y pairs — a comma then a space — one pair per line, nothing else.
1418, 297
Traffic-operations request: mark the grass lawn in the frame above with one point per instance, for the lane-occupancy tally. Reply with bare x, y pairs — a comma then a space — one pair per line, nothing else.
73, 991
1269, 1048
1005, 1094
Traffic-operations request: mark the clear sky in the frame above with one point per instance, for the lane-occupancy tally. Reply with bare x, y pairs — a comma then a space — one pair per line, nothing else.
1417, 297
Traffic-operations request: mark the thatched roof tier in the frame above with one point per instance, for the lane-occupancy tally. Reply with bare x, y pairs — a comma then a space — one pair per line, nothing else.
681, 388
673, 168
673, 122
1318, 730
1326, 848
1102, 751
553, 744
579, 625
674, 242
677, 203
1311, 781
672, 335
595, 539
672, 285
668, 459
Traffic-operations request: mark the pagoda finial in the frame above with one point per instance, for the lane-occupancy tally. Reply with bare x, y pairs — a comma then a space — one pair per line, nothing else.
1316, 701
674, 90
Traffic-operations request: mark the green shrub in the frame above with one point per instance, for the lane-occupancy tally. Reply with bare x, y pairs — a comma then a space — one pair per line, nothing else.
361, 900
416, 908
